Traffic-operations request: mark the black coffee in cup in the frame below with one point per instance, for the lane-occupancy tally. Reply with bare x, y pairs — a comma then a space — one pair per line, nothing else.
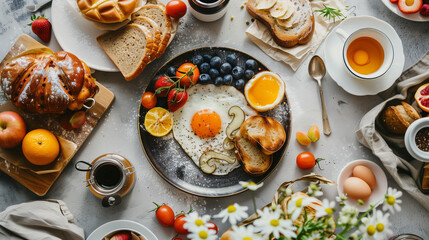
108, 175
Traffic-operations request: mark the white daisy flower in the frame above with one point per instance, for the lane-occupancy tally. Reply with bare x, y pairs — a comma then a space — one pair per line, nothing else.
194, 221
234, 213
251, 185
289, 191
327, 208
314, 190
203, 233
313, 236
376, 226
244, 233
348, 215
392, 200
296, 204
271, 222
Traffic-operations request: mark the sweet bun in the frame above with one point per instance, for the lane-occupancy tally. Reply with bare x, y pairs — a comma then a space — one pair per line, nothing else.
397, 118
107, 11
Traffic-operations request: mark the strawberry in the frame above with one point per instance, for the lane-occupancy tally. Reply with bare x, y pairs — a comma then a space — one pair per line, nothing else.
176, 98
163, 86
41, 27
393, 1
410, 6
121, 236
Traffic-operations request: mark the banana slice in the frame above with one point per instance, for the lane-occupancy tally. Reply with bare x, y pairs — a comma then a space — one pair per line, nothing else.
289, 12
266, 4
291, 22
280, 8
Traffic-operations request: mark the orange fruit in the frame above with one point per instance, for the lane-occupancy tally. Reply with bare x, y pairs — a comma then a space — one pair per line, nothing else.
422, 97
40, 147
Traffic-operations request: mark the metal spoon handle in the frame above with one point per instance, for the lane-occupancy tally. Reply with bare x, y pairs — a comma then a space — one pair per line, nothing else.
326, 125
36, 7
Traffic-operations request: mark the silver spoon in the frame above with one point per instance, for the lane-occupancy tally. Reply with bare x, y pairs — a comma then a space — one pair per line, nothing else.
35, 7
317, 70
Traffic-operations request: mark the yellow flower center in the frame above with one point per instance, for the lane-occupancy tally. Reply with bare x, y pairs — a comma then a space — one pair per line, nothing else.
199, 222
390, 200
203, 235
329, 211
251, 183
370, 230
380, 227
274, 222
231, 209
299, 202
247, 238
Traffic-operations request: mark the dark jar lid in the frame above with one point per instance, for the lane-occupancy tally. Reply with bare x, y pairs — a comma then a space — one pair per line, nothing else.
207, 6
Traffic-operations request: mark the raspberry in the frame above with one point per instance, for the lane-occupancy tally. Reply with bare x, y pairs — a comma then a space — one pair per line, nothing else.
425, 11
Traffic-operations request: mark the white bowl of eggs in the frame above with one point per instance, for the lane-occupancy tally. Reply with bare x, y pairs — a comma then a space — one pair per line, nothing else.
362, 180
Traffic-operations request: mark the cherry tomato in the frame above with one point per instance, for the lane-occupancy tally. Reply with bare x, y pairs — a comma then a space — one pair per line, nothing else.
148, 100
176, 238
214, 227
164, 215
178, 225
192, 76
306, 160
176, 8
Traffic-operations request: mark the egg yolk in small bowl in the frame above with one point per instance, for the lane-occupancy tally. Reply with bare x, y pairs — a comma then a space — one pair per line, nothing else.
206, 123
264, 91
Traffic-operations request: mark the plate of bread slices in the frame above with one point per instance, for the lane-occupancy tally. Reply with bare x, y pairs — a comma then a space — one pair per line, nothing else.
113, 35
220, 117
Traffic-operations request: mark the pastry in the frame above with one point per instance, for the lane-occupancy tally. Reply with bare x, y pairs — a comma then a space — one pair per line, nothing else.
397, 118
107, 11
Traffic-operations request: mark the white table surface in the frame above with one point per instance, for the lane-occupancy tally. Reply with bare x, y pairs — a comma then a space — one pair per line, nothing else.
117, 131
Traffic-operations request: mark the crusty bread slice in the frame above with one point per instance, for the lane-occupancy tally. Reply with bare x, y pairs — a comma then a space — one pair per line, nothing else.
253, 160
154, 30
264, 131
158, 14
129, 48
298, 29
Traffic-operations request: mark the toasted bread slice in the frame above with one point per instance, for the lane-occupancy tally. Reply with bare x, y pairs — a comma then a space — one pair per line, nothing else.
157, 13
267, 132
154, 30
253, 160
129, 48
296, 29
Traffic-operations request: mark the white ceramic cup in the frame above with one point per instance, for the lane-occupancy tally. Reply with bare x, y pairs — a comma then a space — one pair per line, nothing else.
380, 37
410, 139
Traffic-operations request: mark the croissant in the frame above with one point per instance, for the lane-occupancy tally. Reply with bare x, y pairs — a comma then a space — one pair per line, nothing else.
47, 82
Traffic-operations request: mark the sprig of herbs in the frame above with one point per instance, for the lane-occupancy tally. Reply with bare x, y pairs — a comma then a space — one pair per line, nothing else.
331, 13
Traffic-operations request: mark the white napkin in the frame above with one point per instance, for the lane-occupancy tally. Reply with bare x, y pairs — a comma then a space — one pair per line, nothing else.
261, 36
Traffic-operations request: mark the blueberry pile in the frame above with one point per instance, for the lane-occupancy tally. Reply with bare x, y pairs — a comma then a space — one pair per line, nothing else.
214, 70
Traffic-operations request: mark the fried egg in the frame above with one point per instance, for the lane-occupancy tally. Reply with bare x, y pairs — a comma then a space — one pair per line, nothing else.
200, 125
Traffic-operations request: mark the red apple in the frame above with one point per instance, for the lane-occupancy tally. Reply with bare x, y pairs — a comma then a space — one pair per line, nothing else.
12, 129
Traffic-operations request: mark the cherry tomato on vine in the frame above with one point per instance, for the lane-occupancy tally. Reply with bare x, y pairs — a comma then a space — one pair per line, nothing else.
184, 69
176, 8
148, 100
165, 215
178, 225
306, 160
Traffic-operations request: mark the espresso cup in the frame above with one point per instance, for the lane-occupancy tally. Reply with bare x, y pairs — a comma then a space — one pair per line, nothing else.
376, 35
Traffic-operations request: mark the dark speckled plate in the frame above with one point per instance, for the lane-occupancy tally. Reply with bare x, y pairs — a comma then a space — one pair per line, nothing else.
173, 164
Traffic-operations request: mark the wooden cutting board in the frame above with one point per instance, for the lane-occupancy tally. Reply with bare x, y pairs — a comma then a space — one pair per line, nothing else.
40, 179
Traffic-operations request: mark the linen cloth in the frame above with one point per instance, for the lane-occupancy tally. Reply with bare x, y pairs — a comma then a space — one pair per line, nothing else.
261, 36
39, 220
390, 149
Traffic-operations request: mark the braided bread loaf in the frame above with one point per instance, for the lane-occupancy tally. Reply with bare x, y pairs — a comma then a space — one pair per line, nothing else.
47, 82
107, 11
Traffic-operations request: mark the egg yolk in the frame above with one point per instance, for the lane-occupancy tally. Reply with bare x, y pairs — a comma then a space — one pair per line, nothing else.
361, 57
264, 90
206, 123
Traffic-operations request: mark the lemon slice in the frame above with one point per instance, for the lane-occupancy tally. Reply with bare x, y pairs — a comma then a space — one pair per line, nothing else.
158, 122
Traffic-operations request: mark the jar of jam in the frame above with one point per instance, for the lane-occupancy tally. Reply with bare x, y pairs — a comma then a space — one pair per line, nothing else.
208, 10
109, 177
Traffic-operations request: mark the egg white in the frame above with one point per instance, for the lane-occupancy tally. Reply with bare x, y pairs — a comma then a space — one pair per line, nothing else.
219, 99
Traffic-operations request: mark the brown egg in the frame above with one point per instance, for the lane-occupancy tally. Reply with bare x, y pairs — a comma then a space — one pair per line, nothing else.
356, 188
365, 174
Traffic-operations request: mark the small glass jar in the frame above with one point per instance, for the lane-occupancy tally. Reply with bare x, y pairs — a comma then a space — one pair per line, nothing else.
208, 10
406, 237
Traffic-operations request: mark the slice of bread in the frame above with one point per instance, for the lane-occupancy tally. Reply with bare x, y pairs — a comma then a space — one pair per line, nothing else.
129, 48
267, 132
253, 160
298, 28
158, 14
154, 30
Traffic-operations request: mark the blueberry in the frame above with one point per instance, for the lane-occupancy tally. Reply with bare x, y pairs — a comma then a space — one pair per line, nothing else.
218, 81
215, 62
197, 59
204, 68
237, 72
251, 64
214, 73
248, 74
228, 79
205, 79
225, 68
239, 84
171, 71
207, 57
231, 59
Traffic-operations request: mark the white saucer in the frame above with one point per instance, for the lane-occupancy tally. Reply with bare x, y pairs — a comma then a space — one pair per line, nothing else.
338, 70
416, 17
118, 225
